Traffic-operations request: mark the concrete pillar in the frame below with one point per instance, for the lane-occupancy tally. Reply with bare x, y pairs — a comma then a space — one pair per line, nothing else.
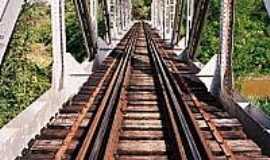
59, 42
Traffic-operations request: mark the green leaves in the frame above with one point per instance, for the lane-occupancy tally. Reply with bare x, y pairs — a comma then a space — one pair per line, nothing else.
251, 55
22, 77
75, 41
141, 9
251, 52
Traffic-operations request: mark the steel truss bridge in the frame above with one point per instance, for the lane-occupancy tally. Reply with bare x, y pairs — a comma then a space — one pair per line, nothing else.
141, 94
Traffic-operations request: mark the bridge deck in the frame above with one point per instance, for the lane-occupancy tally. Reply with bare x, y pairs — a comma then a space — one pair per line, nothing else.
143, 103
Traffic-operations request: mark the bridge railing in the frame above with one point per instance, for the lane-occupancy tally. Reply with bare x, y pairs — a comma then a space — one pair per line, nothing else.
9, 12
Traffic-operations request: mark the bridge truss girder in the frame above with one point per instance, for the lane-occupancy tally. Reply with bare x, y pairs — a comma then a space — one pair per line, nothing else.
162, 16
119, 15
195, 16
87, 13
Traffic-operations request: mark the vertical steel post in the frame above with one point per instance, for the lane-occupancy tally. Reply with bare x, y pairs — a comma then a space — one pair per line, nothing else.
226, 47
190, 12
59, 43
199, 17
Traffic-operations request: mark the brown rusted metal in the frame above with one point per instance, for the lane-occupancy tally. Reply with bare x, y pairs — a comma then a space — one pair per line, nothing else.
143, 124
199, 150
78, 121
89, 138
69, 124
231, 144
226, 44
118, 118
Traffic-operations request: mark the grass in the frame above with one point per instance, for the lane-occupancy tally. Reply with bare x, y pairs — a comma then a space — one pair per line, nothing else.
265, 105
26, 69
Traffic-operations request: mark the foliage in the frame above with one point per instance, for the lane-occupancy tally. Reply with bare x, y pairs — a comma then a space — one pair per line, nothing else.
251, 49
251, 54
264, 104
75, 40
101, 21
141, 9
23, 79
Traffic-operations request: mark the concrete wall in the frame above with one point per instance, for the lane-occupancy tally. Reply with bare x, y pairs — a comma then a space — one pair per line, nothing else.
18, 132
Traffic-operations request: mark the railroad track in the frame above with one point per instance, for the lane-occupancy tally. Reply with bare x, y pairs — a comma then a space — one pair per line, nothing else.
224, 135
63, 135
142, 103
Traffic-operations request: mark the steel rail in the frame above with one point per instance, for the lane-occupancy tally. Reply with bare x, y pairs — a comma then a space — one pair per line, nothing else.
111, 145
96, 135
167, 101
194, 148
75, 126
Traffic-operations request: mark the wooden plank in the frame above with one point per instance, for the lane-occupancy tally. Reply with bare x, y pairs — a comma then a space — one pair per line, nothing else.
147, 147
142, 102
143, 97
145, 157
233, 134
46, 145
142, 116
214, 147
39, 156
226, 123
142, 124
142, 88
202, 124
243, 146
216, 115
138, 108
53, 133
142, 135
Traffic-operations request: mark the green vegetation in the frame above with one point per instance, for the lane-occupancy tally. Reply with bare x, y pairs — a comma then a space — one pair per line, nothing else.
252, 38
101, 21
26, 70
264, 104
141, 9
75, 41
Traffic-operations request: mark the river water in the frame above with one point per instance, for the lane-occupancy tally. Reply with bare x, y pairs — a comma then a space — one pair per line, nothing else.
256, 87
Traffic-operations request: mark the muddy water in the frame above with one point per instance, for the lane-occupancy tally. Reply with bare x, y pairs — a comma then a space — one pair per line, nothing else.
256, 87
